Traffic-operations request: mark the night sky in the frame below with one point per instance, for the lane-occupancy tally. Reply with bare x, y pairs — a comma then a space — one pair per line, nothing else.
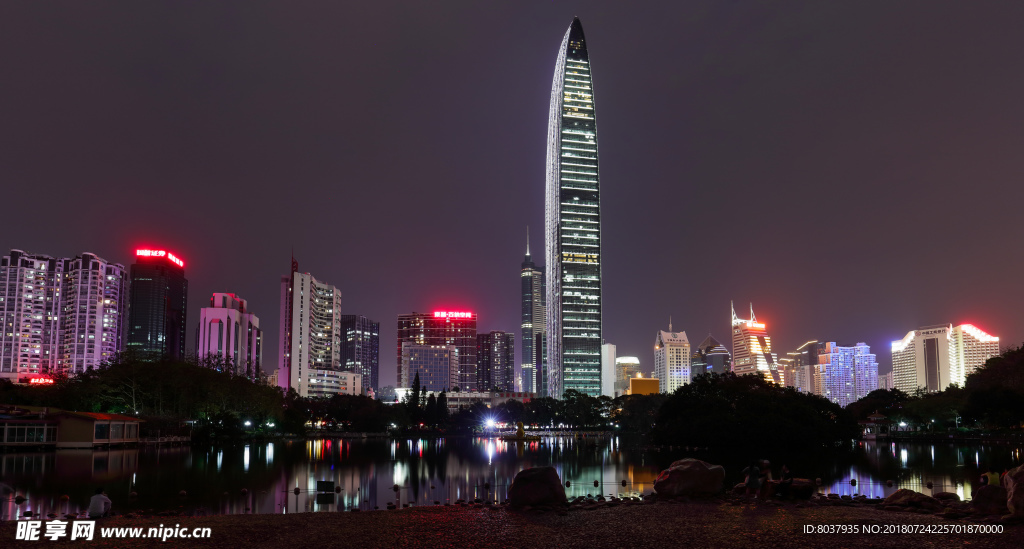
852, 168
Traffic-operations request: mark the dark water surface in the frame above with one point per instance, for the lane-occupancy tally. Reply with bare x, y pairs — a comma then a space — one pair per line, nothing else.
261, 478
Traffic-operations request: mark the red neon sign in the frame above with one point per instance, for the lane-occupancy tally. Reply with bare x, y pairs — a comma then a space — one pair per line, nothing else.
40, 381
452, 314
161, 253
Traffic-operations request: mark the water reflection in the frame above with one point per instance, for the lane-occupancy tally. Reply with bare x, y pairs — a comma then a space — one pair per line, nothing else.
262, 477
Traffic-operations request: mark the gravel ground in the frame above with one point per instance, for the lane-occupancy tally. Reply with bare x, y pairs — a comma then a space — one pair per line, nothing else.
702, 525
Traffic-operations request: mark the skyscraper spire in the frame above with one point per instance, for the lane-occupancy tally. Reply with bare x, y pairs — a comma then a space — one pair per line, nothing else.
732, 305
527, 242
752, 317
669, 323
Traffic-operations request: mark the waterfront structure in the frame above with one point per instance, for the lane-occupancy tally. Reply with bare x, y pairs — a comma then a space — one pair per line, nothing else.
626, 367
325, 383
710, 357
309, 338
230, 336
845, 374
158, 309
608, 370
573, 224
934, 357
465, 399
456, 328
496, 361
671, 359
799, 367
532, 323
59, 314
360, 348
752, 348
437, 366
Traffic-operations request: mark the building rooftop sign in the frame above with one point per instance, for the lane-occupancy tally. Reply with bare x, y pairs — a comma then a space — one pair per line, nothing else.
160, 253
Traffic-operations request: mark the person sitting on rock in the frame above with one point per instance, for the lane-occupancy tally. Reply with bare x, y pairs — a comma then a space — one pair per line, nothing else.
753, 479
785, 482
990, 477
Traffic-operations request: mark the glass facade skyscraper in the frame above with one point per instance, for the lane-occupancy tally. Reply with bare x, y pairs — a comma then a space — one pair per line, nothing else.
158, 309
533, 321
573, 225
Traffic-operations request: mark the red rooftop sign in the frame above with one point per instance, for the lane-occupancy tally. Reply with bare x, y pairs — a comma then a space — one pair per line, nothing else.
40, 381
452, 314
161, 253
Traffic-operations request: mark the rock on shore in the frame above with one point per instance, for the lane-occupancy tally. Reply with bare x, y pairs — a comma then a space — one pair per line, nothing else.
536, 486
690, 477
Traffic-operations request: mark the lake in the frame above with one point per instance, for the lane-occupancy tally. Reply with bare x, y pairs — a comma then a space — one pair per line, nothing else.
262, 477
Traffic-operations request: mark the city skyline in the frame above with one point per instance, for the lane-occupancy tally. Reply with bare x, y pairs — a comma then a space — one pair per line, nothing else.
745, 130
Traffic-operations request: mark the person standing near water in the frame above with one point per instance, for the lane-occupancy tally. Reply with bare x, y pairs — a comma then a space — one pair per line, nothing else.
99, 504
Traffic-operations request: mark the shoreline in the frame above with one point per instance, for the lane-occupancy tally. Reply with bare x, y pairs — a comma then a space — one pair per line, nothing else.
722, 522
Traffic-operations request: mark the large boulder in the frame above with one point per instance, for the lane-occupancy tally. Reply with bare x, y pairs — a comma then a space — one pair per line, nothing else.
1014, 484
990, 500
536, 486
910, 498
803, 488
690, 477
946, 496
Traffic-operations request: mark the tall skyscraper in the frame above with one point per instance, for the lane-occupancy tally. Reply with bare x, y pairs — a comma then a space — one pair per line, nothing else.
934, 357
360, 348
671, 360
845, 374
59, 315
573, 224
799, 367
752, 348
230, 333
456, 328
496, 361
710, 357
159, 305
532, 325
309, 338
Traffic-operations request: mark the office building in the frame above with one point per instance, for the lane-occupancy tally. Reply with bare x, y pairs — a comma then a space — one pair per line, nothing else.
532, 324
437, 366
626, 367
710, 357
885, 381
496, 361
528, 378
671, 359
327, 383
799, 367
360, 348
573, 225
608, 370
59, 314
845, 374
935, 357
309, 338
230, 336
643, 386
443, 328
159, 305
752, 348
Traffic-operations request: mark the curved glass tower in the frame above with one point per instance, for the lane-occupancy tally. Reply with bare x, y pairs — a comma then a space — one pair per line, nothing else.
573, 225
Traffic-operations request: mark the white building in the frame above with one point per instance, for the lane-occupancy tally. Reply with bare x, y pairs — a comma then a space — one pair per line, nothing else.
845, 374
671, 360
59, 314
608, 370
934, 357
885, 381
231, 334
327, 383
309, 337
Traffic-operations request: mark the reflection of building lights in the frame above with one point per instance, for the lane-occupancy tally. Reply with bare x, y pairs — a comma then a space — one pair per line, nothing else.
903, 457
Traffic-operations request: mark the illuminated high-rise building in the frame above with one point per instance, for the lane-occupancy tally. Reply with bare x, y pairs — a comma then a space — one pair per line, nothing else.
159, 305
59, 314
532, 324
360, 348
442, 328
799, 367
437, 366
309, 338
230, 333
671, 359
752, 348
626, 367
710, 357
573, 224
934, 357
496, 361
845, 374
608, 370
